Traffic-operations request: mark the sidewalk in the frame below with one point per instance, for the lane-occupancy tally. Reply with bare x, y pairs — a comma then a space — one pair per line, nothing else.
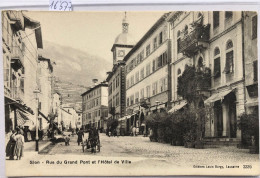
30, 146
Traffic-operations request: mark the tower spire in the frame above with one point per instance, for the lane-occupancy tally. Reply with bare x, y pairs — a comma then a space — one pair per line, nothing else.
125, 24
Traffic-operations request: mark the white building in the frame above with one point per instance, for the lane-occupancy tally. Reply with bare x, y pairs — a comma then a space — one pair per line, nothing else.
95, 106
147, 72
45, 70
79, 119
74, 118
214, 40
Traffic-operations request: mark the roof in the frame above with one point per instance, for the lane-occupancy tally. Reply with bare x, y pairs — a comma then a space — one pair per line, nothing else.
174, 15
147, 35
66, 111
115, 67
34, 25
40, 58
93, 88
124, 39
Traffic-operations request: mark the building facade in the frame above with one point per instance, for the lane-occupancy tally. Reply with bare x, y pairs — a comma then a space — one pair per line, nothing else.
124, 42
74, 116
116, 91
250, 60
213, 40
56, 109
79, 119
95, 106
148, 74
66, 118
45, 70
20, 59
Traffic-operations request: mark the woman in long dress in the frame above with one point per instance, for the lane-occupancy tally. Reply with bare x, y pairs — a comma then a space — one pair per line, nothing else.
18, 149
80, 136
10, 146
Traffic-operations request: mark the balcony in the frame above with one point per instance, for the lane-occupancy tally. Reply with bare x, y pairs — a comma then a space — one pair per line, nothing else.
17, 58
196, 40
16, 19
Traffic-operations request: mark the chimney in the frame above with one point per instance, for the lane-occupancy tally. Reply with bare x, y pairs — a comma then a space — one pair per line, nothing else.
95, 81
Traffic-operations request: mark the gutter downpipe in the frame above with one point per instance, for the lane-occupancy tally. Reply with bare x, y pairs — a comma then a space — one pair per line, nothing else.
243, 60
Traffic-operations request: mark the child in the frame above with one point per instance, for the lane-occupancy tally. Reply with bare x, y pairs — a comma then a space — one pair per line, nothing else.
67, 140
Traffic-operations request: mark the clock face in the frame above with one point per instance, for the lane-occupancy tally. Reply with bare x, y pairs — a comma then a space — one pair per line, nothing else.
121, 53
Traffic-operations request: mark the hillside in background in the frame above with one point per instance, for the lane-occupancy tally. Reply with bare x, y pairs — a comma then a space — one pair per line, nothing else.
74, 70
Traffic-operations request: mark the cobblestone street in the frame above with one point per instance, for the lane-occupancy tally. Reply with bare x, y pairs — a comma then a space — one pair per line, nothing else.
140, 152
142, 147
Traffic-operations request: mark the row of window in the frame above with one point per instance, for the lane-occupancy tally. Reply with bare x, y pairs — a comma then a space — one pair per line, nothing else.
157, 63
229, 64
93, 103
92, 94
157, 41
216, 20
115, 101
114, 84
94, 114
157, 87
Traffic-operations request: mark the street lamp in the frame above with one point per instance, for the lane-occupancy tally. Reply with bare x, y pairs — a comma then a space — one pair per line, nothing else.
36, 92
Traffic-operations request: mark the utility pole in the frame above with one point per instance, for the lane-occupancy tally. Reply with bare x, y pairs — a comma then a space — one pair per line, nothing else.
36, 91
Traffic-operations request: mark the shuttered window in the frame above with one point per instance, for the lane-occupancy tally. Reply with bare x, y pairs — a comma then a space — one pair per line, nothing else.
229, 62
255, 71
217, 67
254, 27
215, 19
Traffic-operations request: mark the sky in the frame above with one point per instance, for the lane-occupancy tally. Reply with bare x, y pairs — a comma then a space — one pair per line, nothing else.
91, 32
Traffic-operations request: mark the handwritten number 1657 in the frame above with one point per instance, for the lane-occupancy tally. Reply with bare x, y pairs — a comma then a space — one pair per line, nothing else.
60, 5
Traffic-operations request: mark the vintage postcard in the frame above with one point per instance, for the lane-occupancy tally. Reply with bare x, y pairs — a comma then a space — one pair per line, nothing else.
130, 93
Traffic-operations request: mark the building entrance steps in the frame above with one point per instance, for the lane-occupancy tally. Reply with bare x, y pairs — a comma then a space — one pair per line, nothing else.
219, 142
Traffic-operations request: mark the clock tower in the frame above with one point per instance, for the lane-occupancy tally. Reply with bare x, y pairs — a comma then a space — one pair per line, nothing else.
123, 43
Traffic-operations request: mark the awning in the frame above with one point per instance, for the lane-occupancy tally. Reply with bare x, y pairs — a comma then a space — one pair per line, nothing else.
217, 96
177, 107
22, 107
21, 118
40, 113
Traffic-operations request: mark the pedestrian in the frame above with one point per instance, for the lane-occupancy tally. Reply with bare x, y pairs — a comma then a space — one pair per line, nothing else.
80, 136
10, 146
25, 133
134, 131
67, 140
137, 131
19, 144
29, 136
118, 131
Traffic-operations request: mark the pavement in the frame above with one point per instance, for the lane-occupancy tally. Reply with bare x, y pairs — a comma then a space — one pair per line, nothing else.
133, 156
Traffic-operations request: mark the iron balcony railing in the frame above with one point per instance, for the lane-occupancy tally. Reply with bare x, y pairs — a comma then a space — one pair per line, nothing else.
189, 43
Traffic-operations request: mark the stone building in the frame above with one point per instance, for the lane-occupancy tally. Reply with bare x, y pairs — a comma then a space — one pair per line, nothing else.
214, 40
148, 74
79, 119
95, 106
20, 59
124, 42
45, 74
250, 60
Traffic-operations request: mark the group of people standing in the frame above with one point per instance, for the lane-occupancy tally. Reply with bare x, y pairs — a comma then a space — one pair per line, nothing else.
15, 145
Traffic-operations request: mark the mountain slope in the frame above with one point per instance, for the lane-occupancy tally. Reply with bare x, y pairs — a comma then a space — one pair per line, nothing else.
74, 70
